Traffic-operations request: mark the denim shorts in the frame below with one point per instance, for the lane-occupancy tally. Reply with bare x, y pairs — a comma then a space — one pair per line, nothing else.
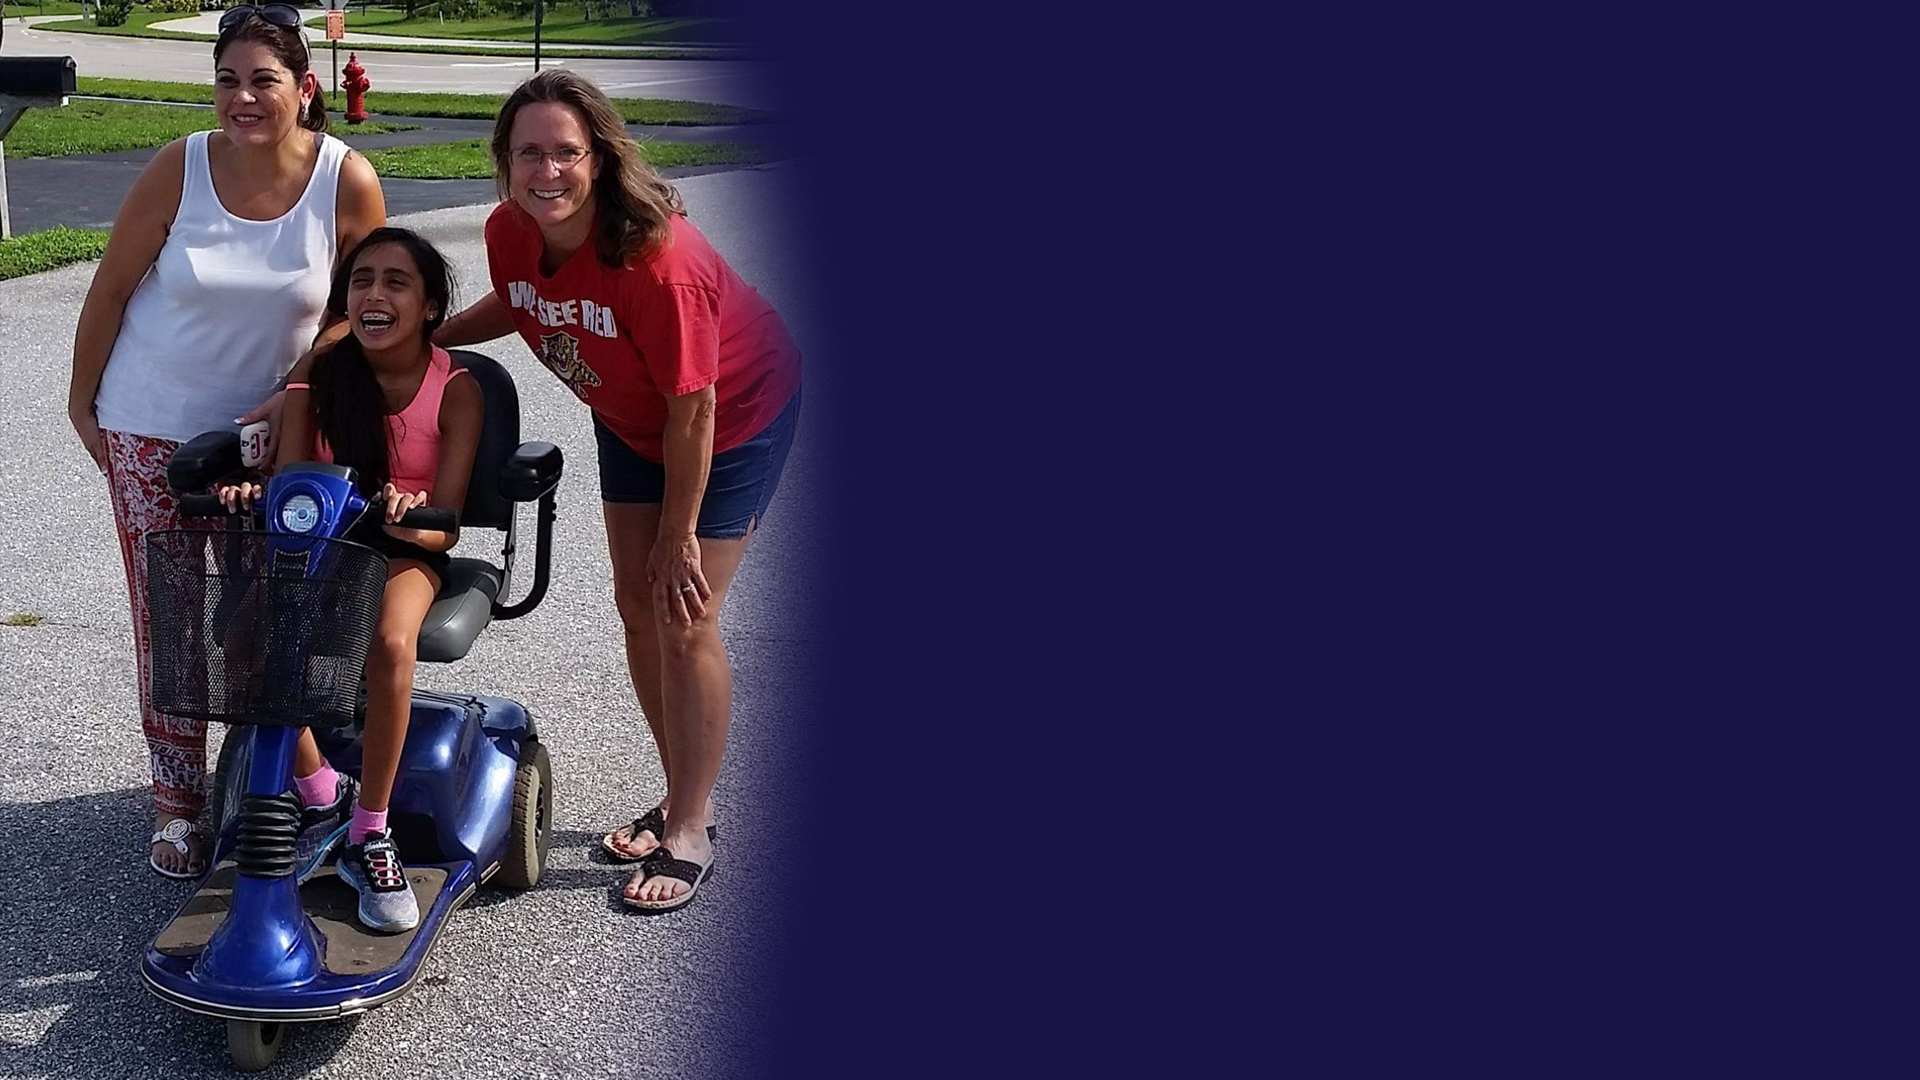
740, 483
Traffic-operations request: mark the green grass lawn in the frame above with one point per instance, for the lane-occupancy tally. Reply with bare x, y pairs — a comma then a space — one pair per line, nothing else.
99, 127
54, 7
452, 106
139, 24
148, 90
55, 247
560, 25
470, 160
632, 110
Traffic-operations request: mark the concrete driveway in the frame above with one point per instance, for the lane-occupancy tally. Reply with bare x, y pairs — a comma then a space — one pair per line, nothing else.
554, 982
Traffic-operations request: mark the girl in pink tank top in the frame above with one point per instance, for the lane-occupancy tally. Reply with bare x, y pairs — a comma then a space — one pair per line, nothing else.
391, 405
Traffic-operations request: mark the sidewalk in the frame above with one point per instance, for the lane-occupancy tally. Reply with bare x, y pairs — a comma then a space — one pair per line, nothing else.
209, 23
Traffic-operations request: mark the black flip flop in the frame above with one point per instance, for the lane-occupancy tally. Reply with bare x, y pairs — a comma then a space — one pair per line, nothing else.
652, 821
660, 863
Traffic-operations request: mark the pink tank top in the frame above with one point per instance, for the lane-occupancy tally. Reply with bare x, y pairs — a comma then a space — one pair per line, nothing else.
413, 433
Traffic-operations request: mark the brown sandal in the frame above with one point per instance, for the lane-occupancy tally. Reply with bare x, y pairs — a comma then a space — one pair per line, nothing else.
660, 863
653, 821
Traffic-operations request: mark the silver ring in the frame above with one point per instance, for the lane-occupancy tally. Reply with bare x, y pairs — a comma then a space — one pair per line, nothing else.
687, 587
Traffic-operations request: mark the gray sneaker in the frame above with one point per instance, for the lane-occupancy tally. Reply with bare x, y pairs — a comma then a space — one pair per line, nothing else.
322, 828
373, 869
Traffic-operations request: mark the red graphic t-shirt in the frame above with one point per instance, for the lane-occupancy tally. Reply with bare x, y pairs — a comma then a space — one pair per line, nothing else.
624, 339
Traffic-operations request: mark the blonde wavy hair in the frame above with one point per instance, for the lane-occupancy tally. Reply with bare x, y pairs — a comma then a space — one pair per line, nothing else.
636, 204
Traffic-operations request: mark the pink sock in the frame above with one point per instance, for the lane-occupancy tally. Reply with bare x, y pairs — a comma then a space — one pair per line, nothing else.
365, 821
320, 789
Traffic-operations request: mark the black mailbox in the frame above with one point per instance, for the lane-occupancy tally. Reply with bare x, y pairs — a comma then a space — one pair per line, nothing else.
37, 76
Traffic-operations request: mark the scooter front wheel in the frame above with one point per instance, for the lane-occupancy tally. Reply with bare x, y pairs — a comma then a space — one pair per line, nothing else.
230, 775
252, 1045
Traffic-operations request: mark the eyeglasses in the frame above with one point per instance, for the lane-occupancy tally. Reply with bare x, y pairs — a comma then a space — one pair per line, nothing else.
566, 157
281, 15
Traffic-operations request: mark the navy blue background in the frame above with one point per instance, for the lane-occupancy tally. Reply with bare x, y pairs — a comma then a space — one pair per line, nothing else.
993, 214
919, 909
1443, 668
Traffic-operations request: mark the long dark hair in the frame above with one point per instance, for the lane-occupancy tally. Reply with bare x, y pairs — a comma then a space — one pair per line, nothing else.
636, 204
289, 47
347, 399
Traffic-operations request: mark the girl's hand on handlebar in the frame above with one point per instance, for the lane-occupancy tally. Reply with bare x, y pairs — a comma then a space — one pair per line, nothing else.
239, 496
399, 502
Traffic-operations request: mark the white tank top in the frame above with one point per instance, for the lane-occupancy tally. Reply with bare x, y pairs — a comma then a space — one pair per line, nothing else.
227, 308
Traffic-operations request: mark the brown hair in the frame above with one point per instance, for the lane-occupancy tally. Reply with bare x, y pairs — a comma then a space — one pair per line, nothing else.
636, 204
289, 47
347, 398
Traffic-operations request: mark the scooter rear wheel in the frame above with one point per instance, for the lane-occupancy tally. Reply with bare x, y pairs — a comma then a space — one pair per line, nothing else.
252, 1045
532, 829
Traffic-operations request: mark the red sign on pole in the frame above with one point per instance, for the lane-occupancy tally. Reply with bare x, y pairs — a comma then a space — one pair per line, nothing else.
336, 25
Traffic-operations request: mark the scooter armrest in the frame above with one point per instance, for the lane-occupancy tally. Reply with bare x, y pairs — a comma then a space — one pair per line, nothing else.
204, 459
531, 471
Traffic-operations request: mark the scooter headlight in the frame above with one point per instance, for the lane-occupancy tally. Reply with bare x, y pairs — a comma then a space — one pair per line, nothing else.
299, 514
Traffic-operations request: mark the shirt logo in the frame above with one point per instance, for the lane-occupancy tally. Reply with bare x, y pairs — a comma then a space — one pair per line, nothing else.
585, 314
561, 353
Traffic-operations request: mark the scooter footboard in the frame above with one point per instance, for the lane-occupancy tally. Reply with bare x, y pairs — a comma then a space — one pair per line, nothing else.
361, 968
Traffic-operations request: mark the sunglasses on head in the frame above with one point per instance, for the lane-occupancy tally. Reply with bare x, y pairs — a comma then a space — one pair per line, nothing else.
281, 15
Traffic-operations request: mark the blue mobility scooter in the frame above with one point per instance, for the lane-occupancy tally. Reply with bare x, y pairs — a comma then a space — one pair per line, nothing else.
267, 629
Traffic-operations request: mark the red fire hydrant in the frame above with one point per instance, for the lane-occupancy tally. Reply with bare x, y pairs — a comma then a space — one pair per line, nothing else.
357, 85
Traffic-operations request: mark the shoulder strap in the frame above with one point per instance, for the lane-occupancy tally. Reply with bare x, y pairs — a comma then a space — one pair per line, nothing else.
196, 183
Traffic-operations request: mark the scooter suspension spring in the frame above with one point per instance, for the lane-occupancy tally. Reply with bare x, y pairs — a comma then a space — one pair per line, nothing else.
269, 828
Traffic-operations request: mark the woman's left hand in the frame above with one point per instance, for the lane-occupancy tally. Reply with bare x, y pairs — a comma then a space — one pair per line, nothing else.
679, 587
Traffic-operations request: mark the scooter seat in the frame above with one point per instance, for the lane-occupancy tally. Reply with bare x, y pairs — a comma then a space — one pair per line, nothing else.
463, 609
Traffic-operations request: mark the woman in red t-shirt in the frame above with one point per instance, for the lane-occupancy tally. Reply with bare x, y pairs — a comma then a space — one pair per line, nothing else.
695, 391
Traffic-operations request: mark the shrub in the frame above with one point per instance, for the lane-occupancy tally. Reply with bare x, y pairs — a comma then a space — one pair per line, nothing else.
112, 12
170, 6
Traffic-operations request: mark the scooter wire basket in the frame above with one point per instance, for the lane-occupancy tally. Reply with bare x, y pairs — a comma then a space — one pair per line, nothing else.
260, 628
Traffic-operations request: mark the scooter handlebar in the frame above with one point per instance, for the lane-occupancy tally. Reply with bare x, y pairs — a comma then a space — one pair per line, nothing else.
429, 517
203, 506
424, 517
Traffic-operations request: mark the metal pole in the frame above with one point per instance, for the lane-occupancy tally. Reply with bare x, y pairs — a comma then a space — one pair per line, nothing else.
539, 14
9, 115
6, 214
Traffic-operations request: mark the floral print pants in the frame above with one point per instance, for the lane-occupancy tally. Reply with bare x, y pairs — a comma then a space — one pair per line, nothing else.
137, 482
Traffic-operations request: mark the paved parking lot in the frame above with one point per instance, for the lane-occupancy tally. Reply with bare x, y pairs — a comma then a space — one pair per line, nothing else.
555, 982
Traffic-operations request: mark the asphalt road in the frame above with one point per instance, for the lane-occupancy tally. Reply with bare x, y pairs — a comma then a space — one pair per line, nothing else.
754, 84
208, 22
87, 190
554, 982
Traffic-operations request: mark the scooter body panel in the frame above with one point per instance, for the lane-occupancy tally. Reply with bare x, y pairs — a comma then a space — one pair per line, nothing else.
451, 809
453, 799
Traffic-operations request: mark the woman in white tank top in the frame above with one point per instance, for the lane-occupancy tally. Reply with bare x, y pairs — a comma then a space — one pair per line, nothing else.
213, 284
